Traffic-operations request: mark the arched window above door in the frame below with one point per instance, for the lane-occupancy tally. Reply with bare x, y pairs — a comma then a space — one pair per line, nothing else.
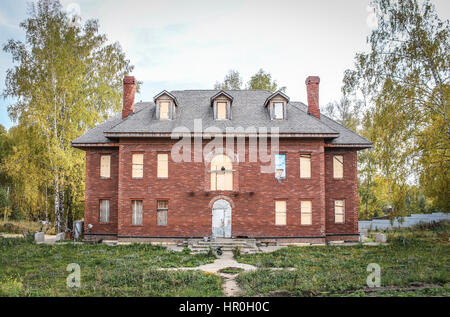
221, 173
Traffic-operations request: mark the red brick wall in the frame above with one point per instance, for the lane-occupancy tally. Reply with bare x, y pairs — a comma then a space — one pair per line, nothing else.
190, 200
98, 188
342, 189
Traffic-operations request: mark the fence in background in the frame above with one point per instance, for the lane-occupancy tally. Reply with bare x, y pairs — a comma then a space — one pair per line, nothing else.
385, 224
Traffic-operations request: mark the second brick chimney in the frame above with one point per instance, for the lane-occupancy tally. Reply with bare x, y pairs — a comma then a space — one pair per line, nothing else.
129, 90
312, 90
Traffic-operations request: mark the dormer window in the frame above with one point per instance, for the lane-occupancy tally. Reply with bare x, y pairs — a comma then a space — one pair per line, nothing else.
221, 104
165, 106
278, 110
276, 105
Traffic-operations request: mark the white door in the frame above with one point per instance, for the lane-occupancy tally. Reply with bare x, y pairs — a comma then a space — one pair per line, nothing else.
221, 219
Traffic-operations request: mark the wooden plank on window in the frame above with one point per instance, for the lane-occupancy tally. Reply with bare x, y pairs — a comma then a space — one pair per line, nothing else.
164, 110
306, 212
138, 165
228, 181
105, 166
338, 166
305, 166
163, 165
221, 110
280, 212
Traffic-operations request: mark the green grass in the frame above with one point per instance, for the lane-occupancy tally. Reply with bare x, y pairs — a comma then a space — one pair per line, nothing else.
27, 269
418, 255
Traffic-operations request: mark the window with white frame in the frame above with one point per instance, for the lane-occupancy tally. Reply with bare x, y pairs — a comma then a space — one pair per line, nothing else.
104, 211
136, 215
278, 112
339, 211
105, 166
306, 212
162, 212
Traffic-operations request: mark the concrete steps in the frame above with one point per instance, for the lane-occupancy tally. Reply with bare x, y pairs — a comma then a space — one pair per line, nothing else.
244, 245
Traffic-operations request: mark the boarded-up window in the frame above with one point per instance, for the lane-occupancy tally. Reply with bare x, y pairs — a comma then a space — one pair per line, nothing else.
162, 212
305, 166
221, 110
306, 212
278, 110
280, 165
138, 166
105, 166
221, 173
164, 110
104, 210
280, 212
136, 217
338, 166
163, 165
339, 211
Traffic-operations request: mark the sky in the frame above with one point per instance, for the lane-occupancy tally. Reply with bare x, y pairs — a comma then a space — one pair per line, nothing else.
192, 44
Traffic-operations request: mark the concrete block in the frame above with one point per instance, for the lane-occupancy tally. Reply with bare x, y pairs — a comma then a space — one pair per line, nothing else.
60, 236
39, 237
381, 237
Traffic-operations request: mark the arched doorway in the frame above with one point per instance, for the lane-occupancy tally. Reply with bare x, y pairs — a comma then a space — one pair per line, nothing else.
221, 219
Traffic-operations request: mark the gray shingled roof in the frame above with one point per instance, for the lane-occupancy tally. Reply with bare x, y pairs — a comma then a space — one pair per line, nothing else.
247, 111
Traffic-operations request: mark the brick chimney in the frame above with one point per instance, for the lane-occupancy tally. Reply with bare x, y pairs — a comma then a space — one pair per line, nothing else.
129, 89
312, 90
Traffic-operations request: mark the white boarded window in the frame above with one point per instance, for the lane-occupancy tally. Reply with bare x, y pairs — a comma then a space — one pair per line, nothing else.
163, 165
138, 166
105, 166
104, 210
339, 211
306, 212
164, 110
221, 110
280, 212
136, 216
162, 212
305, 166
278, 110
221, 173
338, 166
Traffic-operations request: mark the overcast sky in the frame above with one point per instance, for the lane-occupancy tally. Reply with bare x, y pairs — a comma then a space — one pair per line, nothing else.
192, 44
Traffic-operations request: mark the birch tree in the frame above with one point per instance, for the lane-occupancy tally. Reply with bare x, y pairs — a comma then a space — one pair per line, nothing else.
404, 79
66, 78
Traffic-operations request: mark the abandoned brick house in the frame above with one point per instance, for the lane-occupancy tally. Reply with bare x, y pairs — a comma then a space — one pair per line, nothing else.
135, 189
